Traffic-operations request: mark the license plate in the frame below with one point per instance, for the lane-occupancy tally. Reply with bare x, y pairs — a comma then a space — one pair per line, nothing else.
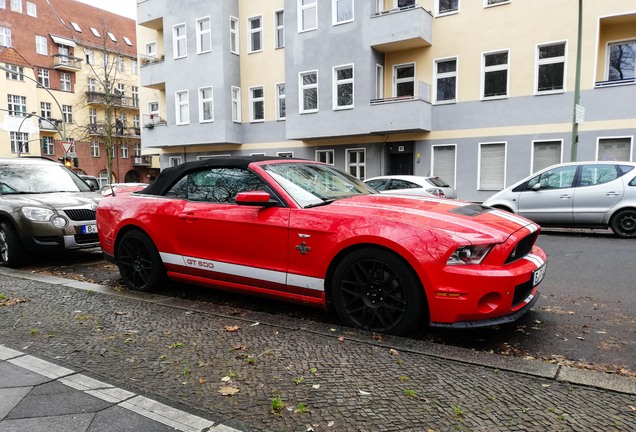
538, 275
89, 229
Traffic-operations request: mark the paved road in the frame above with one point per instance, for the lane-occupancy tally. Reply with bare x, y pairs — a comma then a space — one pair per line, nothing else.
292, 374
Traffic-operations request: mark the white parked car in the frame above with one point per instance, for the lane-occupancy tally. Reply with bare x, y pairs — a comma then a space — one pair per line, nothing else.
412, 185
577, 194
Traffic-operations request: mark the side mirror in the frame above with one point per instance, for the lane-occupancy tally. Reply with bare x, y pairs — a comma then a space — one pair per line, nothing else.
255, 198
536, 187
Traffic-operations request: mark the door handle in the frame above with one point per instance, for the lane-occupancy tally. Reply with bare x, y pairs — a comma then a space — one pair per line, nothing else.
188, 216
565, 196
612, 194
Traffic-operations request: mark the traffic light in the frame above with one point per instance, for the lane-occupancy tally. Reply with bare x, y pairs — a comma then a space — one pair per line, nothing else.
44, 142
67, 162
75, 162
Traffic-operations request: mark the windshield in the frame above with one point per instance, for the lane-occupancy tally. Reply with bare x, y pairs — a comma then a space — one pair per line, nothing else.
315, 184
40, 178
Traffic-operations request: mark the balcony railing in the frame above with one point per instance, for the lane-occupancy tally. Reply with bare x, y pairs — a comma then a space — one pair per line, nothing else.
99, 98
152, 120
611, 83
118, 130
49, 124
142, 161
401, 29
148, 60
67, 63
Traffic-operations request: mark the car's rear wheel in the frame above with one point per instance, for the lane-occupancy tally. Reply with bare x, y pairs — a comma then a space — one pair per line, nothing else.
12, 253
139, 262
375, 290
624, 223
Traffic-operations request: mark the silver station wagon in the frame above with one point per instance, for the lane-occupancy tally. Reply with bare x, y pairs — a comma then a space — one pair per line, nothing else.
576, 194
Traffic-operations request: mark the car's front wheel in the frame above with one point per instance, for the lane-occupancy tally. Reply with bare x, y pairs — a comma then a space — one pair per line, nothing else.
139, 262
624, 223
11, 251
375, 290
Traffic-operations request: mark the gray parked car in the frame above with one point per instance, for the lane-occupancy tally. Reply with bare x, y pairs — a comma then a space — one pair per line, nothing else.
43, 206
576, 194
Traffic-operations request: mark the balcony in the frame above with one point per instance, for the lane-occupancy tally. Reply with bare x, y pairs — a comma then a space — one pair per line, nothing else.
152, 120
401, 114
97, 98
118, 130
153, 72
67, 63
49, 124
149, 15
142, 161
401, 29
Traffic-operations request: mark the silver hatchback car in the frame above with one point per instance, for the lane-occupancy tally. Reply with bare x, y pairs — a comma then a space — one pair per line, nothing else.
576, 194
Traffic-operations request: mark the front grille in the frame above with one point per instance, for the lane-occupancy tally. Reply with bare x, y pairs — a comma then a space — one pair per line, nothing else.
523, 248
522, 292
80, 214
81, 239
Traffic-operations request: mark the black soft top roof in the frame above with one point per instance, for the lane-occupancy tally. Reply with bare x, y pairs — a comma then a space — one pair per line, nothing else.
169, 176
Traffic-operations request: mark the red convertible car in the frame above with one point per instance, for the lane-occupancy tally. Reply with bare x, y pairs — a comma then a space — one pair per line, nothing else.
304, 232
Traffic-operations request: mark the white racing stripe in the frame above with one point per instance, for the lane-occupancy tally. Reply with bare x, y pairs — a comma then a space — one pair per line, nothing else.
535, 259
282, 278
516, 219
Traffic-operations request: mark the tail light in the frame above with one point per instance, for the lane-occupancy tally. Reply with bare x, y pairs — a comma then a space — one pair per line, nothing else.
436, 192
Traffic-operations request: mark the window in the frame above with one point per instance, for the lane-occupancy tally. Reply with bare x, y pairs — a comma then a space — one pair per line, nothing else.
76, 27
120, 64
102, 178
120, 90
596, 174
153, 108
92, 116
257, 104
492, 166
545, 154
551, 68
325, 156
91, 84
255, 37
404, 80
443, 162
112, 37
495, 76
151, 49
134, 90
356, 163
48, 146
16, 105
308, 92
216, 185
280, 102
41, 45
15, 73
557, 178
236, 104
494, 2
614, 149
206, 105
44, 78
90, 57
45, 110
234, 35
95, 32
174, 161
204, 35
134, 66
19, 142
5, 36
127, 41
279, 29
403, 4
65, 81
379, 81
622, 59
445, 80
179, 41
124, 151
95, 149
67, 113
136, 122
16, 6
342, 11
447, 6
138, 149
3, 4
182, 107
343, 87
307, 15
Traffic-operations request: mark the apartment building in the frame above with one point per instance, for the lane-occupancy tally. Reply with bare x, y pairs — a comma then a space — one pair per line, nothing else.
480, 92
70, 88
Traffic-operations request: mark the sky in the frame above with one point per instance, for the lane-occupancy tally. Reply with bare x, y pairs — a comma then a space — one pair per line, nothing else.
127, 8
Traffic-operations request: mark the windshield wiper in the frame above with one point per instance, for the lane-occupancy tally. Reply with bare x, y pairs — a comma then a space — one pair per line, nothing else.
318, 204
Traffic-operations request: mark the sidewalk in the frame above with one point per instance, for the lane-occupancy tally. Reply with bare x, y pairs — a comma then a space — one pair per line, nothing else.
253, 371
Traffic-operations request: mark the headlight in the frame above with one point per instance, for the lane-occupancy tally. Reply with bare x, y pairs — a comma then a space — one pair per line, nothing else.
37, 214
59, 222
469, 254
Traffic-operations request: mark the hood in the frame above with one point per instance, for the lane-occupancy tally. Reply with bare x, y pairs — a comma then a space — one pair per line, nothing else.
473, 222
59, 200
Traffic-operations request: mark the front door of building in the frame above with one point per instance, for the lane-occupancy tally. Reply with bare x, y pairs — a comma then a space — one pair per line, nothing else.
400, 158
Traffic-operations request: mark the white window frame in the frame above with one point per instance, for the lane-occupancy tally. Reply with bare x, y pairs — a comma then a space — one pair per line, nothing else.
111, 36
256, 100
204, 36
445, 13
179, 41
5, 36
496, 68
444, 75
41, 45
174, 161
434, 173
334, 12
608, 49
379, 81
124, 151
619, 137
120, 63
203, 102
44, 77
45, 110
90, 56
92, 116
16, 6
329, 160
356, 165
95, 32
19, 142
235, 96
32, 9
95, 149
493, 3
397, 80
151, 49
253, 32
479, 161
544, 141
65, 81
17, 105
344, 81
76, 27
134, 67
279, 29
548, 61
303, 88
301, 10
280, 99
234, 35
15, 73
91, 84
182, 100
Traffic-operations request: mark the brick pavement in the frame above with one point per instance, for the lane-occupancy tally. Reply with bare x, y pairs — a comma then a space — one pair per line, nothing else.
326, 378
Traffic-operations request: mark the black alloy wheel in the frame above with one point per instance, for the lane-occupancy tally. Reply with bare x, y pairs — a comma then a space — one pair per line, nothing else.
624, 223
139, 262
375, 290
11, 251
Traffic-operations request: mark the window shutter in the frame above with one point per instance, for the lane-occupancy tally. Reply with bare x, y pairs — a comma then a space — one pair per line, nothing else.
444, 163
491, 176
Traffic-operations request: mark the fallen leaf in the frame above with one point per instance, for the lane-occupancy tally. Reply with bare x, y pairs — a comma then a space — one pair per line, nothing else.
364, 393
341, 338
226, 379
545, 385
377, 337
228, 390
631, 407
316, 386
255, 324
231, 329
331, 423
202, 381
393, 351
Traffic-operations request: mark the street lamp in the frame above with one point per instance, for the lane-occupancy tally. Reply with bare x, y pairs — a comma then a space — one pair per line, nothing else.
47, 90
19, 142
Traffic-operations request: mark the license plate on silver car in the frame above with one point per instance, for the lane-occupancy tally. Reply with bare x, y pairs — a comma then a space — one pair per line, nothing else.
89, 229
